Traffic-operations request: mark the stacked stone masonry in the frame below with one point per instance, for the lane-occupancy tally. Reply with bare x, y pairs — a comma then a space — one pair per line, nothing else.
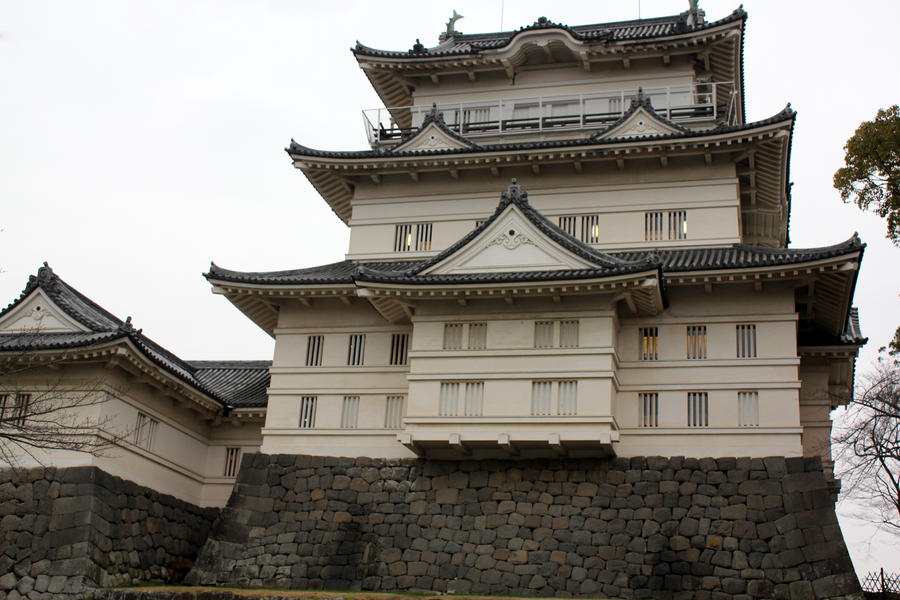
648, 527
63, 531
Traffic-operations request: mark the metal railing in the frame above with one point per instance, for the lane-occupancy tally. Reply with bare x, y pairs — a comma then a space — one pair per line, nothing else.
685, 103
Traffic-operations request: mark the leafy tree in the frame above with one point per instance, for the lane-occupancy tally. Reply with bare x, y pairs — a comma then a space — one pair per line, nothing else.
871, 175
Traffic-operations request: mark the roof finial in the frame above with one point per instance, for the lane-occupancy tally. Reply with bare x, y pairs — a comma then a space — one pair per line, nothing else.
695, 15
417, 48
451, 29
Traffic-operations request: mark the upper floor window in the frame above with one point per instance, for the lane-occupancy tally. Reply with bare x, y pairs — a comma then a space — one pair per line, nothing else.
232, 462
350, 412
678, 225
649, 343
474, 398
448, 404
14, 409
545, 334
542, 397
314, 344
748, 409
394, 409
698, 409
584, 227
145, 431
399, 349
648, 409
356, 350
412, 237
308, 412
477, 336
653, 226
696, 341
745, 335
453, 336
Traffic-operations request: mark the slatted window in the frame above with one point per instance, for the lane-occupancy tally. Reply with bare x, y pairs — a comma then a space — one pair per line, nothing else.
590, 229
356, 350
350, 412
649, 343
399, 348
308, 412
543, 334
411, 237
567, 398
449, 400
14, 409
678, 225
541, 397
394, 410
477, 336
748, 409
453, 336
232, 462
474, 398
648, 405
696, 341
569, 225
653, 226
314, 345
745, 341
568, 334
145, 431
698, 409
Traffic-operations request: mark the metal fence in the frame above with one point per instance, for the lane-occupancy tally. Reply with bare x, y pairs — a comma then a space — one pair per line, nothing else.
881, 584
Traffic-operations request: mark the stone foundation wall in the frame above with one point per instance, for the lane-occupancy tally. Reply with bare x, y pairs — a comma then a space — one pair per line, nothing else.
640, 527
65, 530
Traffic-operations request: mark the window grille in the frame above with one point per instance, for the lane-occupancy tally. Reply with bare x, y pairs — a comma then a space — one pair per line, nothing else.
412, 237
314, 344
649, 409
590, 229
569, 224
748, 409
678, 225
145, 431
449, 399
393, 412
649, 340
541, 397
543, 334
14, 409
308, 412
746, 341
399, 348
356, 350
568, 398
698, 409
453, 334
477, 336
696, 341
232, 461
350, 412
474, 398
653, 226
568, 334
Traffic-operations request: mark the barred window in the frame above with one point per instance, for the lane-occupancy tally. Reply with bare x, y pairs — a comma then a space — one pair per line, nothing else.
449, 400
350, 412
394, 411
145, 431
412, 237
232, 461
590, 229
14, 409
648, 404
653, 226
649, 343
399, 348
474, 398
356, 350
308, 412
568, 334
477, 336
569, 225
748, 409
696, 341
453, 336
568, 398
745, 340
541, 397
543, 334
314, 344
678, 225
698, 409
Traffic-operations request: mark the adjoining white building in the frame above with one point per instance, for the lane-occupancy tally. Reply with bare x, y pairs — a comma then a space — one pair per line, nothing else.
564, 241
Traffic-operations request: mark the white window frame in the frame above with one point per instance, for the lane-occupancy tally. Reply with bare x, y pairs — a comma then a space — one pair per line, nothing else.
399, 349
350, 412
648, 409
145, 431
232, 461
748, 408
745, 340
356, 350
394, 411
314, 349
308, 407
697, 342
698, 409
648, 343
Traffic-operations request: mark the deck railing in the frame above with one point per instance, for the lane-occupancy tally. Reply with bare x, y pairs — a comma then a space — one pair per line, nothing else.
685, 103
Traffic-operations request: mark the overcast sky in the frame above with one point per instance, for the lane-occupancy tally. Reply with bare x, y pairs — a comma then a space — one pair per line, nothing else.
141, 140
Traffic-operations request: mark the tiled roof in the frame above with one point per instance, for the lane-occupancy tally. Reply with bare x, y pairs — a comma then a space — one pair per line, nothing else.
105, 327
638, 29
850, 336
240, 383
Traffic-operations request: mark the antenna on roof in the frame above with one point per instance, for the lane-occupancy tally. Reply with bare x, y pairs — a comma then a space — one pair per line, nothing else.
501, 15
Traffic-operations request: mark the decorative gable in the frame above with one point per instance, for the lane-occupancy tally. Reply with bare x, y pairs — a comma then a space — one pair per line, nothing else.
38, 314
509, 243
640, 121
434, 135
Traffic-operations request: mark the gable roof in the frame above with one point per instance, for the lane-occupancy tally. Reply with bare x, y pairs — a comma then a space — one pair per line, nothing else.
104, 327
433, 127
641, 106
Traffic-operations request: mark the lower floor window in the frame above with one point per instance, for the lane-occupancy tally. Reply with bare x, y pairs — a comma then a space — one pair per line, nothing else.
394, 411
308, 412
14, 409
698, 409
546, 394
648, 405
145, 431
232, 460
350, 412
748, 409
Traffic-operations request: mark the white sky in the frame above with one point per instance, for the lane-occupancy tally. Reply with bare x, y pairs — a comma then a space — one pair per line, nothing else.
140, 140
